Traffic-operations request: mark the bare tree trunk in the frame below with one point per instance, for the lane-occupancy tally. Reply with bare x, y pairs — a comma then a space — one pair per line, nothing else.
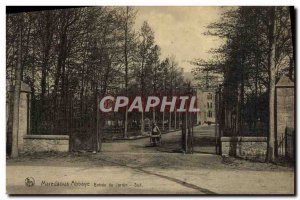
142, 91
163, 121
47, 41
142, 123
126, 71
170, 120
15, 131
126, 123
272, 70
175, 125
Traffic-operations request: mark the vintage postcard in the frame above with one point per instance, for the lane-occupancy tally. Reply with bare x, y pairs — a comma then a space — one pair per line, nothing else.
156, 100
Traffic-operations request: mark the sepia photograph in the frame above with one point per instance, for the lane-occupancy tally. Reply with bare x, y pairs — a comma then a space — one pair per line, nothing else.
150, 100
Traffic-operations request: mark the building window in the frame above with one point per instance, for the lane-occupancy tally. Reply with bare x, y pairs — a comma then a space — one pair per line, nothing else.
209, 96
209, 114
209, 104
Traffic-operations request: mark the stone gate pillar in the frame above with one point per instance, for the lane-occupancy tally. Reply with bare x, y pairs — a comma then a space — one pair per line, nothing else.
284, 112
24, 115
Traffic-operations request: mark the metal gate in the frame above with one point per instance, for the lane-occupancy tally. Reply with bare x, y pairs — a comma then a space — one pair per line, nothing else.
199, 138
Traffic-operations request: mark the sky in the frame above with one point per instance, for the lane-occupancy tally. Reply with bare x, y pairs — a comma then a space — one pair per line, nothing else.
179, 31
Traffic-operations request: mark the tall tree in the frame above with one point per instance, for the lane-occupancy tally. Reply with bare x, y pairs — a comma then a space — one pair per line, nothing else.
144, 52
17, 88
71, 57
129, 53
249, 64
272, 70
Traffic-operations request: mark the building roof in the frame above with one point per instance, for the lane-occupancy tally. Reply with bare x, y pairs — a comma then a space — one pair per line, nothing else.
285, 81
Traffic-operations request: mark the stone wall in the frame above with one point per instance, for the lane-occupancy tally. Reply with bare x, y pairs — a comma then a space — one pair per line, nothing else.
251, 148
42, 143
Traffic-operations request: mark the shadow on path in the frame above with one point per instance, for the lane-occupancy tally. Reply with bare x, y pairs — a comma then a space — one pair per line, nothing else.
178, 181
